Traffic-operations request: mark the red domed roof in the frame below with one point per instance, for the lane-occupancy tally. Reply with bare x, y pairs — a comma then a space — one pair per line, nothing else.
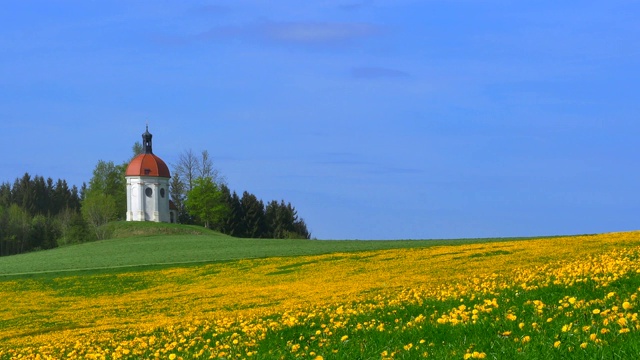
147, 165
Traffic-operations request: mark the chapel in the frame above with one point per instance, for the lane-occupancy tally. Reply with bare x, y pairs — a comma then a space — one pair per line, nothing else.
147, 179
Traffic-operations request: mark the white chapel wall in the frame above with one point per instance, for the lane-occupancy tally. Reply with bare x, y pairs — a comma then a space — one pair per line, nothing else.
148, 199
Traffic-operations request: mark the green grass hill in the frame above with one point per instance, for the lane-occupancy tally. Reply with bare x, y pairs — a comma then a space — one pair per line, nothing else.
143, 245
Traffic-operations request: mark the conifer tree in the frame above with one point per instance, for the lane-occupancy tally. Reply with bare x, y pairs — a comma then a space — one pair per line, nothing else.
253, 216
233, 222
283, 223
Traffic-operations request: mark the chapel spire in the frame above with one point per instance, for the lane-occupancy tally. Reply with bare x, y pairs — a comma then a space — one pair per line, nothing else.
146, 141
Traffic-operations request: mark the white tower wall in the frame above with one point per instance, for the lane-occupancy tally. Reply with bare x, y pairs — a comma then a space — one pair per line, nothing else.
148, 199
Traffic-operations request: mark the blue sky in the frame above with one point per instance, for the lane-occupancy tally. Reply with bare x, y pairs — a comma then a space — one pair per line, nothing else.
375, 119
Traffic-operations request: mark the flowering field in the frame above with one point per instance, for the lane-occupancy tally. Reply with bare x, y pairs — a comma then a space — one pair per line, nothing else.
568, 297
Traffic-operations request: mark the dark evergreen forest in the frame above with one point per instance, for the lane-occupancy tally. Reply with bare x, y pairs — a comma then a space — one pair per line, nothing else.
39, 214
249, 217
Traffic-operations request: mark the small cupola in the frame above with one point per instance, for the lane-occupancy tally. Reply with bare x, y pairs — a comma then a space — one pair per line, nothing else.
146, 141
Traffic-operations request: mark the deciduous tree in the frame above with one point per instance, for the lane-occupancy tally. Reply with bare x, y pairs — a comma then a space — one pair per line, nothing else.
185, 172
187, 168
108, 179
178, 195
205, 202
98, 209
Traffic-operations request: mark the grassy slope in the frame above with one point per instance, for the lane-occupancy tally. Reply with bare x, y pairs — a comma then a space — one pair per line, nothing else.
145, 245
277, 303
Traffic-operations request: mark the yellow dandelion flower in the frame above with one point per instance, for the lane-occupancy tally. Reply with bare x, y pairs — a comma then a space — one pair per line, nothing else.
344, 338
626, 305
596, 311
557, 344
583, 345
172, 356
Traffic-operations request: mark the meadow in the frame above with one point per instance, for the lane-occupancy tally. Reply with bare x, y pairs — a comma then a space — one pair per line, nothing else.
560, 297
150, 245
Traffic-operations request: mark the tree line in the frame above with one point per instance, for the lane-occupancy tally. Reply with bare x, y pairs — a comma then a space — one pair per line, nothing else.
38, 213
203, 197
